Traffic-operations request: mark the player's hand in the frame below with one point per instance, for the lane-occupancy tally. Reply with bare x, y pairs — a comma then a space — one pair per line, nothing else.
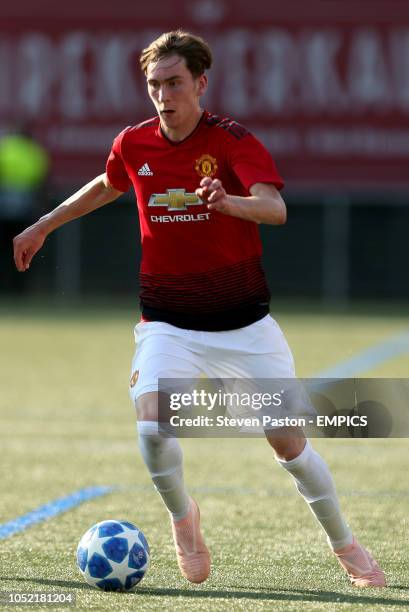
213, 193
26, 246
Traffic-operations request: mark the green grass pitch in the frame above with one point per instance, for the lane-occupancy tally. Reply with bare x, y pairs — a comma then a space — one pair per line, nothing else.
66, 423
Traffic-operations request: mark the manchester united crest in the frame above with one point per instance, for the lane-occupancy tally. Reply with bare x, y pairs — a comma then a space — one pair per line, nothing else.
206, 165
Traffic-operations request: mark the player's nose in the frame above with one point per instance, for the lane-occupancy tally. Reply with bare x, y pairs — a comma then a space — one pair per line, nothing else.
163, 94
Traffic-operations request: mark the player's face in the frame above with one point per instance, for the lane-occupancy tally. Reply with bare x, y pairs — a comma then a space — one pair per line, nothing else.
175, 93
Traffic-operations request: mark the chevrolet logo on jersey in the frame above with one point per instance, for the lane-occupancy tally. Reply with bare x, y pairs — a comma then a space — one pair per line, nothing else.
175, 199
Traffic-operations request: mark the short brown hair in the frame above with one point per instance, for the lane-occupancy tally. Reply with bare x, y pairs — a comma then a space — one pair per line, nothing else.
194, 49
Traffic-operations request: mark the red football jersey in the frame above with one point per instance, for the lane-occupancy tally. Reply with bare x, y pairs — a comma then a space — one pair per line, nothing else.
200, 269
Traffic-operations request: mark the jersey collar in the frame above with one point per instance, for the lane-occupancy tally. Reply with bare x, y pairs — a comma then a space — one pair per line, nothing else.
199, 124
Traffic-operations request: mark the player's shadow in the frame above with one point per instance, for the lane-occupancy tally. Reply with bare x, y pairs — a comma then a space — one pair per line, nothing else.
259, 593
339, 597
289, 595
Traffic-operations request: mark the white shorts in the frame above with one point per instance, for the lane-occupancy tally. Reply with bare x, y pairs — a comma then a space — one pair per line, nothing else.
259, 351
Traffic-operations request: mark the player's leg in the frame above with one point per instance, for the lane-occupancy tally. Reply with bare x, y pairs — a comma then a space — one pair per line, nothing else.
162, 455
160, 353
315, 483
260, 351
165, 355
313, 480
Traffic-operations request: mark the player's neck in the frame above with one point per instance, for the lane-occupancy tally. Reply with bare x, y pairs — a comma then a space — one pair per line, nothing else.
181, 132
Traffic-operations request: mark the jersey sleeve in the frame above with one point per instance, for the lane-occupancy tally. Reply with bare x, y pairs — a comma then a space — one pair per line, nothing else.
115, 166
252, 163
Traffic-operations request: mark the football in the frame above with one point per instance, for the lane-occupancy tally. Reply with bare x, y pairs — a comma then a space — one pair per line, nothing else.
113, 555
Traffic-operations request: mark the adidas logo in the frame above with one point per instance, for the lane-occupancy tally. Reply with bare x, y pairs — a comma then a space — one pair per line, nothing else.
145, 171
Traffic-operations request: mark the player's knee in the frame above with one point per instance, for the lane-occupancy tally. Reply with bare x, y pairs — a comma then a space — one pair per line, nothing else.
160, 451
147, 407
286, 447
289, 449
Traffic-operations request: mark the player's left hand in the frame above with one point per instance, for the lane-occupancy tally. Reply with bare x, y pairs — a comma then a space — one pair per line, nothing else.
214, 194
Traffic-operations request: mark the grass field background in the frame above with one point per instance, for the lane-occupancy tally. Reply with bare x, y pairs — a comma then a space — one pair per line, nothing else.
66, 423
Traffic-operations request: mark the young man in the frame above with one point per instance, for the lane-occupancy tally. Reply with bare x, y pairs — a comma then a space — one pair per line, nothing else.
202, 185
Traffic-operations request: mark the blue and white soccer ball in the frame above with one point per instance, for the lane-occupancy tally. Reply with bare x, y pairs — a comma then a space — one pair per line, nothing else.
113, 556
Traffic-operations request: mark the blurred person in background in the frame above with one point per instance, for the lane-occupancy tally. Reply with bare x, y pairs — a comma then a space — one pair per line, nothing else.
24, 170
203, 184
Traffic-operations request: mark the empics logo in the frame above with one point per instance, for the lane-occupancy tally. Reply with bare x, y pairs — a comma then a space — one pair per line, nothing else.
175, 199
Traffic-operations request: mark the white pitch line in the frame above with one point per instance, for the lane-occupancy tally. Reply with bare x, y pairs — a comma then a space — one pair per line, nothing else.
371, 357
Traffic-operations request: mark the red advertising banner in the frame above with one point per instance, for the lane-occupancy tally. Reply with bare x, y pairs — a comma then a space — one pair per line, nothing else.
325, 85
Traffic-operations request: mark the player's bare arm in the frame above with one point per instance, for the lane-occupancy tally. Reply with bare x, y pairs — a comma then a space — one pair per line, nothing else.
264, 205
93, 195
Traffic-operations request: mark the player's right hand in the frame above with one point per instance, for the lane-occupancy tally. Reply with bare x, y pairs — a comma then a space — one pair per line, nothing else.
26, 246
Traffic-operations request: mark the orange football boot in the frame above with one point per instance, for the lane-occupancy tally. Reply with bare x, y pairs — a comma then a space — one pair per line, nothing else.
191, 551
361, 567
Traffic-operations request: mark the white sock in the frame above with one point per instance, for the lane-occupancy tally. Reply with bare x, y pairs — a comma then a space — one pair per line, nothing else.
314, 481
163, 457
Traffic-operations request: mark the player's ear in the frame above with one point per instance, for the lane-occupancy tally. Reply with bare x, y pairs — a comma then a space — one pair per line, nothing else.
201, 84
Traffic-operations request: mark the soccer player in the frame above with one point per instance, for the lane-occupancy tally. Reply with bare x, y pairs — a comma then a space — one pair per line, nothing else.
203, 184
